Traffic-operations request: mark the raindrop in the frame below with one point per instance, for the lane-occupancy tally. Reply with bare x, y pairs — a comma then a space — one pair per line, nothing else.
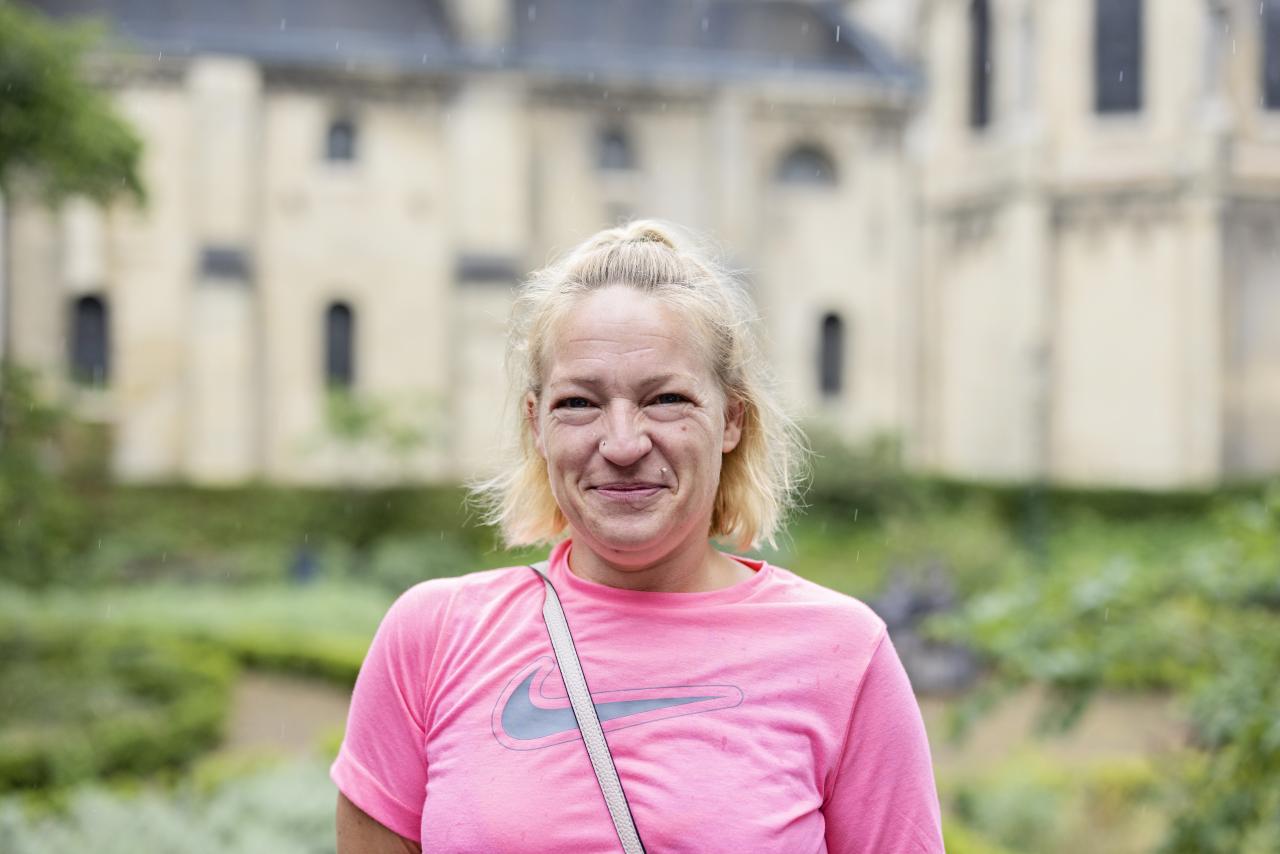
1122, 76
424, 59
159, 56
533, 11
282, 24
837, 32
855, 514
706, 22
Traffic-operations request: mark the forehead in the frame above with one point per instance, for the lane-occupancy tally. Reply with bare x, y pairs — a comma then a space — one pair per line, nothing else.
621, 331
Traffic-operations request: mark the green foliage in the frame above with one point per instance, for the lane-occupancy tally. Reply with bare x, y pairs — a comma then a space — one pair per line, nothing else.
1031, 804
42, 526
54, 127
319, 629
1205, 622
253, 534
285, 809
84, 701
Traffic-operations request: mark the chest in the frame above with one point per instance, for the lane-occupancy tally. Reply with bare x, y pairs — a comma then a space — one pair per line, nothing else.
722, 740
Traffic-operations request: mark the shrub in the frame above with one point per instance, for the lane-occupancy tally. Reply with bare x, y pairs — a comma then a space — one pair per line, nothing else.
286, 809
42, 525
322, 629
1205, 623
84, 702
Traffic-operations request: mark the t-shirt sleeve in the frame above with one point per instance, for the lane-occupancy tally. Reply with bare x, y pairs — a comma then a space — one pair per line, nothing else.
381, 766
883, 797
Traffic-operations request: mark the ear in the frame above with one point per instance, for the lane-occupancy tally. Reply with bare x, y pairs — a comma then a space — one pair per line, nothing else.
535, 425
734, 414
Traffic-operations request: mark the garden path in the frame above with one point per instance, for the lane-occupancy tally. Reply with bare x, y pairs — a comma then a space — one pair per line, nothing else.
291, 715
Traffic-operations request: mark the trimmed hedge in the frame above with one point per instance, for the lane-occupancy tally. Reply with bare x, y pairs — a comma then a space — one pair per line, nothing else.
91, 702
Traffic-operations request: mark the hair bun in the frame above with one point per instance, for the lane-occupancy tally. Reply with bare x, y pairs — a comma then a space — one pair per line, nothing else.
644, 231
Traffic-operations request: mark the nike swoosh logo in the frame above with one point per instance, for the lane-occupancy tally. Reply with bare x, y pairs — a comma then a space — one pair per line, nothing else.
526, 717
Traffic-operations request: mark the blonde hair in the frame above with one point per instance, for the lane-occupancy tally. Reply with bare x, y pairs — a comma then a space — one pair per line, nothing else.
758, 478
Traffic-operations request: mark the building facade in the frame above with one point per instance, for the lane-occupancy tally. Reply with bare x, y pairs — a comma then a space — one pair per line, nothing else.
1047, 250
1100, 232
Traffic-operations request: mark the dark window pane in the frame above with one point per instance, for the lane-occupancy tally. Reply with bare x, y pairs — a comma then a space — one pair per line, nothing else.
90, 346
1117, 50
339, 345
806, 164
979, 64
341, 144
831, 356
1271, 56
614, 151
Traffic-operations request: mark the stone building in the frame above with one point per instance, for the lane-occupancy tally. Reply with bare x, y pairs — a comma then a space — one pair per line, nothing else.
1100, 239
1047, 250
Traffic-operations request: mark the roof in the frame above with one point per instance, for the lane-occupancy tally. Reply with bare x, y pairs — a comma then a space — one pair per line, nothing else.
313, 32
696, 38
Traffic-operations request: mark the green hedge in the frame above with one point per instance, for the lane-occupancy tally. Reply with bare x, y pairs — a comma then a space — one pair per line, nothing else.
83, 702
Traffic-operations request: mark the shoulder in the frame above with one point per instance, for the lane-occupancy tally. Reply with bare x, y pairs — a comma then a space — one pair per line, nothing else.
437, 595
822, 601
822, 610
438, 601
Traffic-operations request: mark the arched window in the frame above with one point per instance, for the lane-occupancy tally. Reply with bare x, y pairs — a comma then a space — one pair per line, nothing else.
1117, 56
90, 344
1271, 56
340, 144
831, 356
979, 64
614, 152
806, 164
339, 345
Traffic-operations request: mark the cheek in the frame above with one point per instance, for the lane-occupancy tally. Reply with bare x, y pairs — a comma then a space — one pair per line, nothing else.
566, 446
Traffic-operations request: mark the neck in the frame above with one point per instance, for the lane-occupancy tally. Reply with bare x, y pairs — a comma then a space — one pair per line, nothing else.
695, 568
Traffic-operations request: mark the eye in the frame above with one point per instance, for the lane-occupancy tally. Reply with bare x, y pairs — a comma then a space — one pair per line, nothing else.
573, 403
670, 397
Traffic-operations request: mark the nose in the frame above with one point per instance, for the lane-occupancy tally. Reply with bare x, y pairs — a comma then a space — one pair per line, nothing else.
625, 441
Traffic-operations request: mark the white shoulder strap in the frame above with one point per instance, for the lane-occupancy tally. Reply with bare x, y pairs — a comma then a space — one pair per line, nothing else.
575, 683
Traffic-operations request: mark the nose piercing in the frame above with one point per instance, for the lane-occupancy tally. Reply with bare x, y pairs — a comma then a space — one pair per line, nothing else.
662, 471
602, 444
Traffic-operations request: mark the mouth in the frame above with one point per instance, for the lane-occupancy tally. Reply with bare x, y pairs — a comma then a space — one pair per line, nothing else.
628, 492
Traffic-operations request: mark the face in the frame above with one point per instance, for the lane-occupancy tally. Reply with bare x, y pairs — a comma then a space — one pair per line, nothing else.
633, 425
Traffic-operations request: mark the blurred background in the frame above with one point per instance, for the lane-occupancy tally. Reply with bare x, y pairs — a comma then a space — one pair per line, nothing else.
1018, 262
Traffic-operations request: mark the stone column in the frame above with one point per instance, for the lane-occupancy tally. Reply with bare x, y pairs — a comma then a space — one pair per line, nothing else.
221, 427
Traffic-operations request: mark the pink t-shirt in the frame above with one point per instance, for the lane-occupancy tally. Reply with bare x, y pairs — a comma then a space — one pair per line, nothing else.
773, 715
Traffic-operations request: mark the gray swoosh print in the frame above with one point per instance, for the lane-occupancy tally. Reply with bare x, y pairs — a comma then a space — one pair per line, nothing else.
521, 719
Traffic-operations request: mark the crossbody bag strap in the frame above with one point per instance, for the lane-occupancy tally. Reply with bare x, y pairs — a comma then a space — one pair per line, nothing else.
584, 710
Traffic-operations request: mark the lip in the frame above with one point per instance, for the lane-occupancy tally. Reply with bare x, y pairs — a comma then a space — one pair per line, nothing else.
628, 491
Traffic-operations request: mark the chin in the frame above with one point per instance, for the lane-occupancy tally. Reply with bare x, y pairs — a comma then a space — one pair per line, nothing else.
631, 547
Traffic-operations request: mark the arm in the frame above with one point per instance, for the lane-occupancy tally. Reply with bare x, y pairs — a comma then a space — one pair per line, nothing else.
381, 767
882, 797
359, 834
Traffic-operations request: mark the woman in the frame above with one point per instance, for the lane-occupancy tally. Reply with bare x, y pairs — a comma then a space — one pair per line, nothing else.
747, 709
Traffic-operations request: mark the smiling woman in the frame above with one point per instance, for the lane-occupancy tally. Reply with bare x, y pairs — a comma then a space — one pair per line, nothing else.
743, 708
